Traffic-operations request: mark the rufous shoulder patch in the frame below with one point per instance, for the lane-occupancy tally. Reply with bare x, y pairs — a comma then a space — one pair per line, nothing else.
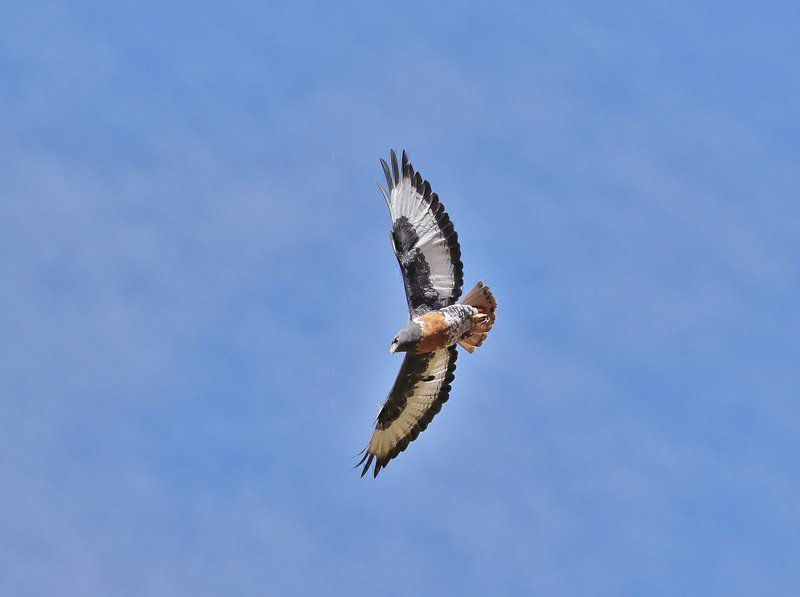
434, 332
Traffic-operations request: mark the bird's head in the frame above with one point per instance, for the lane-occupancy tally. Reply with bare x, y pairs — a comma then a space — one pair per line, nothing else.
407, 338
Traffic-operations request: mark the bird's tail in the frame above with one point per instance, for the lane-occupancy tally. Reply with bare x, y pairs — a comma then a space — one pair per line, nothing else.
483, 300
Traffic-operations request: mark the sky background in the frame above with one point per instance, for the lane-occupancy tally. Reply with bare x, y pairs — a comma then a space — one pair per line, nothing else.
197, 295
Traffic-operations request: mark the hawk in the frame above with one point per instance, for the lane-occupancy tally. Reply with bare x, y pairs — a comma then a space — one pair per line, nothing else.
427, 249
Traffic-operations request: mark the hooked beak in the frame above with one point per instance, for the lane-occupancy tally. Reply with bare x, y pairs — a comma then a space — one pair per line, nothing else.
393, 348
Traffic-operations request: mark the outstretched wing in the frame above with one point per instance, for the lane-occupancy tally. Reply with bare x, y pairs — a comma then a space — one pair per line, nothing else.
419, 391
423, 238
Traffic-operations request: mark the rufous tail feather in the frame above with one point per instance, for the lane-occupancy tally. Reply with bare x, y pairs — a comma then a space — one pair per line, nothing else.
483, 300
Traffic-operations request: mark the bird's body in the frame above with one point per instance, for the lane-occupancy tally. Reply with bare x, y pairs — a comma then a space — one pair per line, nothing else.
427, 250
445, 327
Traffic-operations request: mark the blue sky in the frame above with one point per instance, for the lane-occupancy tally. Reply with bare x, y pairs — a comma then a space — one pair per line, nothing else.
197, 295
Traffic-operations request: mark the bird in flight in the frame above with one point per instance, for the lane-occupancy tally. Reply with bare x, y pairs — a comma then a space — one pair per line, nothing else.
427, 249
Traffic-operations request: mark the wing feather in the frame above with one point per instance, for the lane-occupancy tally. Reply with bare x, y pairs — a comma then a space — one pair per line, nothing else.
387, 174
395, 169
424, 239
421, 388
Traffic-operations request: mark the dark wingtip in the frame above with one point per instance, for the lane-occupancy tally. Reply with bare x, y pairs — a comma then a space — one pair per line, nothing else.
363, 458
366, 466
386, 173
395, 169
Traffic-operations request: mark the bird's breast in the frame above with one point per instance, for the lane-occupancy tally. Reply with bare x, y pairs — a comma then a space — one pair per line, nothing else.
434, 331
442, 328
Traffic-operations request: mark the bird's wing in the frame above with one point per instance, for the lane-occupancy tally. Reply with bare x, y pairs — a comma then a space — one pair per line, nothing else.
423, 239
421, 387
